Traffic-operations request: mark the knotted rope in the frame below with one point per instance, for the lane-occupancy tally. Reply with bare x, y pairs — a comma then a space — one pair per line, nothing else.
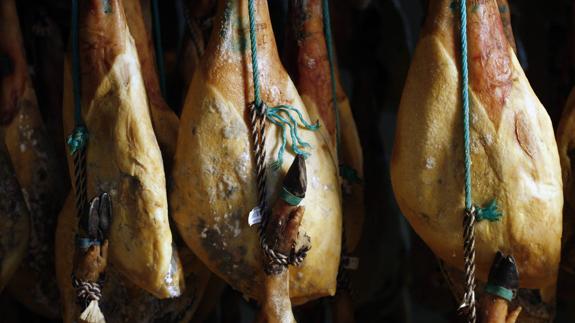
280, 116
78, 140
468, 305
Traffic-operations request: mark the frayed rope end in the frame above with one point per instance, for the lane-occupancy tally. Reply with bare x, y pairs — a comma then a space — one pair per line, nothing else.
490, 213
78, 139
92, 313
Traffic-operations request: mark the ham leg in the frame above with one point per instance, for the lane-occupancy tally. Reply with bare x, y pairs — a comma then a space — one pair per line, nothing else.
514, 155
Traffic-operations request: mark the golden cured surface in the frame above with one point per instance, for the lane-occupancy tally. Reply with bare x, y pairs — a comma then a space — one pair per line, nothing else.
513, 150
215, 186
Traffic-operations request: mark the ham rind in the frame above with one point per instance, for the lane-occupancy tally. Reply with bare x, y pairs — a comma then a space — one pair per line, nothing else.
514, 155
123, 156
36, 168
311, 73
214, 180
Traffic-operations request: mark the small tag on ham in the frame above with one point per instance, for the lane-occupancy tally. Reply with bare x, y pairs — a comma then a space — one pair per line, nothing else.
255, 216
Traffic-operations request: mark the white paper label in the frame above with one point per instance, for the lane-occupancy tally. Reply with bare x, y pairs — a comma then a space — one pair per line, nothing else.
255, 216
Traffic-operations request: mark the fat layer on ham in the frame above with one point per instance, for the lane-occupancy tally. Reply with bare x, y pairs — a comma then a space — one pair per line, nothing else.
514, 155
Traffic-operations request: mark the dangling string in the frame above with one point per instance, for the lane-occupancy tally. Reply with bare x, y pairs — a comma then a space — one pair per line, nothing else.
280, 116
347, 172
468, 305
331, 59
158, 46
78, 140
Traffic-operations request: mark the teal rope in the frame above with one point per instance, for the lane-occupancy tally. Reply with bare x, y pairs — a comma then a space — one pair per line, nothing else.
79, 137
331, 58
254, 48
490, 212
158, 46
346, 172
465, 102
274, 114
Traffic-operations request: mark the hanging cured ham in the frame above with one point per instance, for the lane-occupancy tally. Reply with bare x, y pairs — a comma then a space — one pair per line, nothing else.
123, 156
309, 62
164, 119
515, 164
36, 167
14, 220
215, 184
195, 39
123, 301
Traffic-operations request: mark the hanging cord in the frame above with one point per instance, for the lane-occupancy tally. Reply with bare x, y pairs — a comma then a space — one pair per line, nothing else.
258, 112
282, 117
469, 304
331, 59
158, 46
78, 140
345, 171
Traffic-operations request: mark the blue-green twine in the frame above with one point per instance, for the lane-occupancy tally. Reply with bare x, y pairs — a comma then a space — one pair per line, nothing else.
465, 102
254, 48
79, 137
274, 116
490, 212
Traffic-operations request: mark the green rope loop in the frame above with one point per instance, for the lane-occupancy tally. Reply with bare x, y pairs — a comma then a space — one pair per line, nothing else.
289, 198
499, 291
254, 48
490, 213
274, 115
78, 139
280, 115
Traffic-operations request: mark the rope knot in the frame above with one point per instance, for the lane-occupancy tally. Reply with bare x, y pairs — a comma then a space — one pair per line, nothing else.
87, 291
490, 212
78, 139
